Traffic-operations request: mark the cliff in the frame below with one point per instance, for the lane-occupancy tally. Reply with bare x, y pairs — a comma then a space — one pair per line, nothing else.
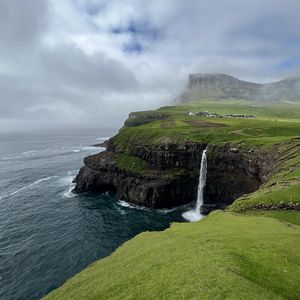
163, 176
222, 86
170, 175
154, 160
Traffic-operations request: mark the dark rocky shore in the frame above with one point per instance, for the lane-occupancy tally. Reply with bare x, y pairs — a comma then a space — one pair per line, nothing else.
172, 176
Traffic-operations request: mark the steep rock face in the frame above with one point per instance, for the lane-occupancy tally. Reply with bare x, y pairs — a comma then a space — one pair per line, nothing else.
233, 172
170, 155
222, 86
155, 188
172, 176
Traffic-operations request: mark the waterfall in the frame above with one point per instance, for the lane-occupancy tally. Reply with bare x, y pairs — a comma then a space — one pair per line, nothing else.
202, 181
195, 215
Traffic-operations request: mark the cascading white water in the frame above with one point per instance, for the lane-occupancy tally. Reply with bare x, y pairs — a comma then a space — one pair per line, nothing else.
202, 180
195, 215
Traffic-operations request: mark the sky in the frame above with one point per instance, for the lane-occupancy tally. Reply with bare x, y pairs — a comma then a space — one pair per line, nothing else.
80, 63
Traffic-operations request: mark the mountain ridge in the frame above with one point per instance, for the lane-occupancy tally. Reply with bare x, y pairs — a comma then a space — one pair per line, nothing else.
218, 86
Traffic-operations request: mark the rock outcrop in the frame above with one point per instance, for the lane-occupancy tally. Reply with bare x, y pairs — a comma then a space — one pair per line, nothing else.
222, 86
171, 176
233, 171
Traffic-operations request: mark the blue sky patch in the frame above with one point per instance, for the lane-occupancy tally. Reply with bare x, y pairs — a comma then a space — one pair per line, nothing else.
139, 29
133, 47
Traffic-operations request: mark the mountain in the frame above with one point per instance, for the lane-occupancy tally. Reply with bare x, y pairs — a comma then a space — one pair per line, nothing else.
221, 86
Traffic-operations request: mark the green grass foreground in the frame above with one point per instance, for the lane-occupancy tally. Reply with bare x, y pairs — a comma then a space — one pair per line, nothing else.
224, 256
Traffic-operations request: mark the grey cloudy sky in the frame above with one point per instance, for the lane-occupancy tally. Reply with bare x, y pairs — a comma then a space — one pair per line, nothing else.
89, 63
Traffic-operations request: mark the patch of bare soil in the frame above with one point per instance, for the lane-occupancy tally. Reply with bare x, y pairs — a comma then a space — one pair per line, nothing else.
202, 123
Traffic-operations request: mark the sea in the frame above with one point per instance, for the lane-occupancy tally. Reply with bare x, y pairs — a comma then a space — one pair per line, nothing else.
48, 234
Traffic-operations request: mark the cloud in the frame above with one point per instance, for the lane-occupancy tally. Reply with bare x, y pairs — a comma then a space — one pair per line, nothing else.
21, 25
92, 62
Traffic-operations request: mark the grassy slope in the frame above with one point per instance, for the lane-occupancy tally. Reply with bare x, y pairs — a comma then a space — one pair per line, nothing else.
210, 259
273, 124
254, 255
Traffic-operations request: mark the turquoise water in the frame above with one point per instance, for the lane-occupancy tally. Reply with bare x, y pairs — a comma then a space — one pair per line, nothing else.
47, 234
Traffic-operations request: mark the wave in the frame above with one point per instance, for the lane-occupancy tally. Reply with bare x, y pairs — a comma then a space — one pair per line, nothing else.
31, 152
29, 186
128, 205
103, 138
89, 148
68, 193
161, 210
51, 152
7, 158
68, 181
176, 208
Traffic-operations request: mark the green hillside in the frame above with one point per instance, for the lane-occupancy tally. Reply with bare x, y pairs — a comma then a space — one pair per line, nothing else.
224, 256
271, 124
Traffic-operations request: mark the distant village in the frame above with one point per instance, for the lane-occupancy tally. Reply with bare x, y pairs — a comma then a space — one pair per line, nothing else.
216, 115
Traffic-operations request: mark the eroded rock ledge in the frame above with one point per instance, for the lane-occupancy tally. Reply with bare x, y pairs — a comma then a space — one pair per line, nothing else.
169, 176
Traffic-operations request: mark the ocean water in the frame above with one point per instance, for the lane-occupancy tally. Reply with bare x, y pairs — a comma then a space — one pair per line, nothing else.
47, 234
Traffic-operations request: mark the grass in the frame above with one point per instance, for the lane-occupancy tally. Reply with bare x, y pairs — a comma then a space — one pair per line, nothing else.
283, 188
131, 164
268, 197
292, 217
135, 165
224, 256
273, 124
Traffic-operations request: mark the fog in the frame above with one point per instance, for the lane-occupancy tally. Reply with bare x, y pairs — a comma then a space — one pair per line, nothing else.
79, 63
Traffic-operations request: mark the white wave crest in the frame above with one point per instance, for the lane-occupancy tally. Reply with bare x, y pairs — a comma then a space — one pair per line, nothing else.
28, 186
102, 138
88, 148
126, 204
68, 181
31, 152
68, 193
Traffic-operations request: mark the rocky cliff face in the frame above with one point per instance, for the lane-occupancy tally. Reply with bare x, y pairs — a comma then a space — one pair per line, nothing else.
171, 177
155, 188
222, 86
234, 171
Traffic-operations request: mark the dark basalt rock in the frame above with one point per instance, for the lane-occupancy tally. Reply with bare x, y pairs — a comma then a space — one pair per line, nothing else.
232, 172
153, 189
163, 156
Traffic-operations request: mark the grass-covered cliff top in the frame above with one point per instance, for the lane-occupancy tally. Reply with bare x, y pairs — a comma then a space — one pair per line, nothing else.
272, 124
224, 256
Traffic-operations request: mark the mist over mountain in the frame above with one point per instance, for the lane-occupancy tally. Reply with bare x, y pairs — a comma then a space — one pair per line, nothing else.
222, 86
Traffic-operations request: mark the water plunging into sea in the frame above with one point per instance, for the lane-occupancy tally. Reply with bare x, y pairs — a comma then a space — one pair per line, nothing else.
195, 215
